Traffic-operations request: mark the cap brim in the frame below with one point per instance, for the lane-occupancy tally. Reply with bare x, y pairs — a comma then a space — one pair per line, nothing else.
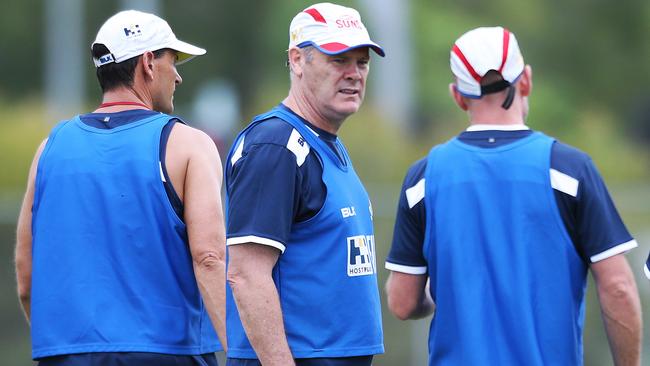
335, 48
186, 51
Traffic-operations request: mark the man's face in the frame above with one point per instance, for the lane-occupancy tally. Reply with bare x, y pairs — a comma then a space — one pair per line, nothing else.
336, 84
166, 79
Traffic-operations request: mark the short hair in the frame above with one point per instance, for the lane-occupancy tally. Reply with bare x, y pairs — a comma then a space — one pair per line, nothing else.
309, 57
309, 53
115, 75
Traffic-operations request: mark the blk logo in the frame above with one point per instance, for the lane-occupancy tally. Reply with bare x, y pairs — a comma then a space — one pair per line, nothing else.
106, 59
301, 141
348, 211
361, 255
132, 31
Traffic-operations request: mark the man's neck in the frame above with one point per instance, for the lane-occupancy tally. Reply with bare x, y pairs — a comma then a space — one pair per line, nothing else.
122, 99
299, 105
496, 116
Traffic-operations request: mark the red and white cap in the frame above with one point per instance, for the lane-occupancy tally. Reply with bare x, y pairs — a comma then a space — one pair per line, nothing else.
131, 33
331, 28
481, 50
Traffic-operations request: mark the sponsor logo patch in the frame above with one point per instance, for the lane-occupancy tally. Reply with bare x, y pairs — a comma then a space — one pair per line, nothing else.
361, 255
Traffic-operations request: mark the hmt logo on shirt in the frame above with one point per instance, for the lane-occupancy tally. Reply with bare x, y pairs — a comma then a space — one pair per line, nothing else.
361, 255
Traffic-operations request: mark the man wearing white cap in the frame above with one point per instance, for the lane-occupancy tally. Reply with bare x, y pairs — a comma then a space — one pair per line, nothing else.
121, 240
301, 258
497, 228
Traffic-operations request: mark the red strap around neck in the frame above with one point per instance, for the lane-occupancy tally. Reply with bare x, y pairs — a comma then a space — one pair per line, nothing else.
104, 105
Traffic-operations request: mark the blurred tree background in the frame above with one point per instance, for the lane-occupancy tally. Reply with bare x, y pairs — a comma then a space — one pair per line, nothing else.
590, 63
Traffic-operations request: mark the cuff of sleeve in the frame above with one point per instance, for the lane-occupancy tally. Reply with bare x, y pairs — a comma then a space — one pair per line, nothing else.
621, 248
406, 269
256, 240
646, 270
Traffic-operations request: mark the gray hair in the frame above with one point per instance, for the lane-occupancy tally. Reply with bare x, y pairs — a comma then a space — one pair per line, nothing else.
307, 51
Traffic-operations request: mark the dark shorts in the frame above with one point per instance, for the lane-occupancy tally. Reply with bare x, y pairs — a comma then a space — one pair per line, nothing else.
128, 359
338, 361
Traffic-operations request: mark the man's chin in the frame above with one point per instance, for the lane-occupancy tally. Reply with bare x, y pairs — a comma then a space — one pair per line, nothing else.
349, 108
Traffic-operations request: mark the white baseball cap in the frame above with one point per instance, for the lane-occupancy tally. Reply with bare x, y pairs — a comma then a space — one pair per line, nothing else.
131, 33
331, 28
481, 50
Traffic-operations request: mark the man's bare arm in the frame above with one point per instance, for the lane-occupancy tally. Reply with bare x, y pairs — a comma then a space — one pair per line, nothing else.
250, 269
23, 254
620, 309
408, 296
200, 180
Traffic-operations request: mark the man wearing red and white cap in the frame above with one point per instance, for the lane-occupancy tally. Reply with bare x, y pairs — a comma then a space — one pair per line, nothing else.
301, 259
497, 229
120, 243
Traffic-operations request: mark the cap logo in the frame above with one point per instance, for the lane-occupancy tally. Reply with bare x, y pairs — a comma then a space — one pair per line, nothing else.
106, 59
296, 35
348, 22
132, 30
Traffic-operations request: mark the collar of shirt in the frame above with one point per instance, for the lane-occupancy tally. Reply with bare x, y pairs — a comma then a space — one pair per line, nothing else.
107, 121
490, 127
329, 137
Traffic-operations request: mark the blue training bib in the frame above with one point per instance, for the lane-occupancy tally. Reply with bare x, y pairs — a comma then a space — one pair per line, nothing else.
506, 279
327, 276
112, 271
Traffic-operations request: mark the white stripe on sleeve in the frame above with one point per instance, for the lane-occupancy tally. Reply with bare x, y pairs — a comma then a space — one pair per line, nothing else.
415, 194
298, 146
238, 153
256, 240
564, 183
621, 248
406, 269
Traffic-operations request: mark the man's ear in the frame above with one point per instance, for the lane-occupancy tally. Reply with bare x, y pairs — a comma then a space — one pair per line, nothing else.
146, 64
457, 97
526, 82
295, 61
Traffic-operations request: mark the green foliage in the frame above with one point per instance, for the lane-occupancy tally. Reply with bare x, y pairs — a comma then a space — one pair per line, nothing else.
21, 51
22, 129
551, 109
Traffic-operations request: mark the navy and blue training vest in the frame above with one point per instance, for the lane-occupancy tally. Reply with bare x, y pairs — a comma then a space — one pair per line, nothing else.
506, 279
112, 270
327, 276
